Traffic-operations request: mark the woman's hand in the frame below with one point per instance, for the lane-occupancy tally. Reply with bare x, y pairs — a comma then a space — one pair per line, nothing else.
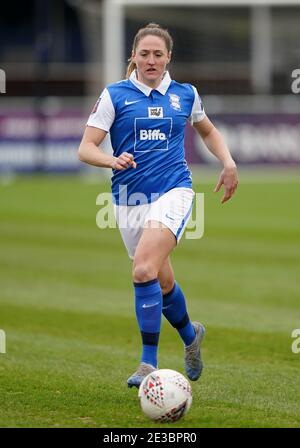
124, 161
228, 178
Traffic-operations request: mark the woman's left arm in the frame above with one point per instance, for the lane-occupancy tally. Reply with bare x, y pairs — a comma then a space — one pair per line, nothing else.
216, 145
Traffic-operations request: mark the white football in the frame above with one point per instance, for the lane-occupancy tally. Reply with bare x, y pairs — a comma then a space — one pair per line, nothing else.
165, 395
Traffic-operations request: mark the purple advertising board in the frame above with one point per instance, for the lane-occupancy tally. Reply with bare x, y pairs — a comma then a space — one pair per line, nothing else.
252, 138
40, 143
49, 143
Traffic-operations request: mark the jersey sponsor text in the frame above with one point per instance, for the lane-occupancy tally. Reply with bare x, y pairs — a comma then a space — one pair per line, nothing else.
152, 134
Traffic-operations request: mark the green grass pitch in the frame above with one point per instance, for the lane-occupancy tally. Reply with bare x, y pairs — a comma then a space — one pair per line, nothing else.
67, 308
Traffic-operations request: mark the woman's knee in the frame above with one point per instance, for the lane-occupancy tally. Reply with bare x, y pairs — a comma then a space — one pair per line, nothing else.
143, 272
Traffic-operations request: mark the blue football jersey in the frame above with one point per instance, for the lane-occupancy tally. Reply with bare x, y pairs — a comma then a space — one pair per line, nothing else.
149, 124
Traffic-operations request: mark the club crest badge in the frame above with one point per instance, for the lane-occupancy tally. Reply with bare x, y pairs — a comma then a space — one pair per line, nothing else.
175, 101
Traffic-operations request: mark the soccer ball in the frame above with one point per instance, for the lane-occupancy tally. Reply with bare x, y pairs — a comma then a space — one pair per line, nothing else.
165, 395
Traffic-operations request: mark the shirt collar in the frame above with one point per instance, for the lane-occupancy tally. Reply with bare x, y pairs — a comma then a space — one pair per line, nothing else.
162, 88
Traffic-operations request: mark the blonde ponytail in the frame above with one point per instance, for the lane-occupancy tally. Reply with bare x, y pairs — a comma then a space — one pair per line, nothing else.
130, 68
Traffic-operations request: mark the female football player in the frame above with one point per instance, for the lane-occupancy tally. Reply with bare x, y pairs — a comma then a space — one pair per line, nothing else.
146, 115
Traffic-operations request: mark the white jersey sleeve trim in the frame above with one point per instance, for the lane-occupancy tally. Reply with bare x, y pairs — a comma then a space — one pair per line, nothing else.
103, 114
198, 112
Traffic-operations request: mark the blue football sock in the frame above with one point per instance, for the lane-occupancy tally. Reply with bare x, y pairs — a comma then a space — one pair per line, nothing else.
174, 309
148, 307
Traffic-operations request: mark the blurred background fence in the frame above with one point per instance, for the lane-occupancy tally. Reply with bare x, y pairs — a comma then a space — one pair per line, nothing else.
58, 55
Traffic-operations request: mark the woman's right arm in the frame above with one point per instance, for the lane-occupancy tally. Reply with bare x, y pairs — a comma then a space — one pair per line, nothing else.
89, 152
